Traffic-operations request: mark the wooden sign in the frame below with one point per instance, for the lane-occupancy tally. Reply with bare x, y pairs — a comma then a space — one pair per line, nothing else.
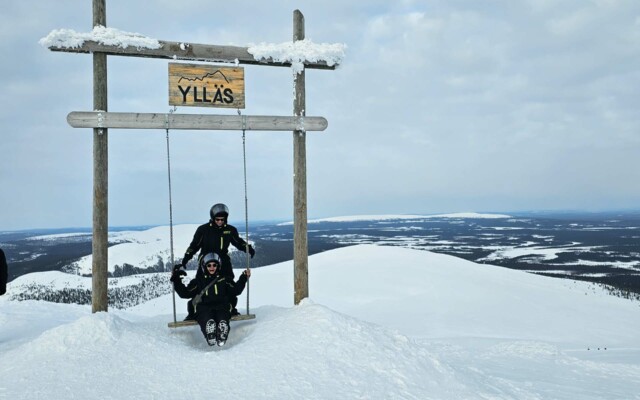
197, 85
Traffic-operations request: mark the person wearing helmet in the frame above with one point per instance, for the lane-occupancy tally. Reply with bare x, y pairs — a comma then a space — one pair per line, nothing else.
215, 237
210, 293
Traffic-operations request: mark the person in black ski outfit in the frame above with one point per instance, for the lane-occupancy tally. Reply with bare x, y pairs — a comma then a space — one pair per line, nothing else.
4, 272
211, 294
215, 237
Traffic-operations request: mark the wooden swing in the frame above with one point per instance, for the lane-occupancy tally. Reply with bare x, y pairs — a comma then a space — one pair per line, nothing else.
239, 317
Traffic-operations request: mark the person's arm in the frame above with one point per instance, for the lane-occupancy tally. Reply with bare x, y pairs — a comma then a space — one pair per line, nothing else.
194, 246
185, 292
238, 287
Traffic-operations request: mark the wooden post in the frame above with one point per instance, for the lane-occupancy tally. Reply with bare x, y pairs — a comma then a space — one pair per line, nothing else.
300, 247
99, 267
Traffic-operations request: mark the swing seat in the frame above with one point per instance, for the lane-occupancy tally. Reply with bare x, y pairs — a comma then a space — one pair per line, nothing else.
190, 322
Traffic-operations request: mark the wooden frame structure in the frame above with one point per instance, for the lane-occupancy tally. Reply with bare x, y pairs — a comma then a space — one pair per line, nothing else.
101, 121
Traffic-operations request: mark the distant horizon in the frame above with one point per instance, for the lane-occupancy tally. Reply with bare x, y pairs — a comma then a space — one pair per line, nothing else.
240, 223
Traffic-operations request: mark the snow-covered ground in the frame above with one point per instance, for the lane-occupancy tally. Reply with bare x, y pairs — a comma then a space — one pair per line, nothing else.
380, 323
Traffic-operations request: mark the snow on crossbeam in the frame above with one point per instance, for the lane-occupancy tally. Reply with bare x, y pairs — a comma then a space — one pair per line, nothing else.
122, 120
115, 42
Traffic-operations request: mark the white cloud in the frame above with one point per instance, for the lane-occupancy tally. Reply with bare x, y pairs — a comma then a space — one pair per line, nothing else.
431, 97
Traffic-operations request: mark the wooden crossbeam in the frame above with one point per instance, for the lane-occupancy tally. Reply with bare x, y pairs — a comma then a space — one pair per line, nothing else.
121, 120
187, 51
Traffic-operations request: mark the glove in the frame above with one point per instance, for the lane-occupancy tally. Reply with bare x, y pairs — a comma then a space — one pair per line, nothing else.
252, 252
177, 276
177, 273
177, 267
244, 277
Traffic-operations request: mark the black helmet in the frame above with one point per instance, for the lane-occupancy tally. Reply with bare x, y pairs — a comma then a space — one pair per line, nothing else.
219, 210
210, 257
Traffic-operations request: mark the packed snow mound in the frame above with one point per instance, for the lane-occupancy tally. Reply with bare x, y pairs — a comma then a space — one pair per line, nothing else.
340, 352
96, 330
385, 322
311, 351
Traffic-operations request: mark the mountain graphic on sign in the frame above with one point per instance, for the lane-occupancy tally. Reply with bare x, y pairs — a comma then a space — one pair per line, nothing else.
205, 76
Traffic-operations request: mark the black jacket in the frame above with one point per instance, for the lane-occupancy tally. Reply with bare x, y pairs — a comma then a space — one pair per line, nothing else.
3, 273
209, 238
218, 295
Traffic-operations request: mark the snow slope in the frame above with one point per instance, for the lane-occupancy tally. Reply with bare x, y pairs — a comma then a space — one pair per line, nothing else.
381, 323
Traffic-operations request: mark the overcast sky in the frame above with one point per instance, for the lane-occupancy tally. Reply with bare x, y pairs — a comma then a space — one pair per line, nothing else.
439, 106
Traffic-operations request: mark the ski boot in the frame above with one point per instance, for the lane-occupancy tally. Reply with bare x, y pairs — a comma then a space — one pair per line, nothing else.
223, 332
211, 334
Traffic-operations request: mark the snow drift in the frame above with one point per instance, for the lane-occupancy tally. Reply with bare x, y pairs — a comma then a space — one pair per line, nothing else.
382, 322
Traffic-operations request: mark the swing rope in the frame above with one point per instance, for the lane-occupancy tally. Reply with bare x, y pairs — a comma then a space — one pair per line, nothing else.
246, 201
170, 208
